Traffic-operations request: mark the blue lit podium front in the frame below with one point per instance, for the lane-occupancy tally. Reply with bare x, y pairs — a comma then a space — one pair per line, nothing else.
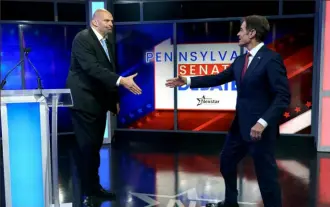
26, 145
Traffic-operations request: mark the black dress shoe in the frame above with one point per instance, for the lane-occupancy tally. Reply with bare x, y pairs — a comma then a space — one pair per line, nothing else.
92, 201
103, 194
221, 204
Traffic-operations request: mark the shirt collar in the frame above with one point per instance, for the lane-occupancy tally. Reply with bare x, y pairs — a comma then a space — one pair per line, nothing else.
254, 51
98, 35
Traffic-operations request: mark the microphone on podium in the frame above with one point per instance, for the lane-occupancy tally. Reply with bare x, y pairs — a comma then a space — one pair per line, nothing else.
4, 81
26, 52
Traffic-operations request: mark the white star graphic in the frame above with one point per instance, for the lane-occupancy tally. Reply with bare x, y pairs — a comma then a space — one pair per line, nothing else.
175, 202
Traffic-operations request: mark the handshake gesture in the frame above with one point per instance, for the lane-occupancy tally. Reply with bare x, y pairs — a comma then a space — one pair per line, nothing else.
129, 83
175, 82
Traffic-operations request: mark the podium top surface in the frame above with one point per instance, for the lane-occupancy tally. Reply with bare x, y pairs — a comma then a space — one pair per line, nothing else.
53, 97
32, 92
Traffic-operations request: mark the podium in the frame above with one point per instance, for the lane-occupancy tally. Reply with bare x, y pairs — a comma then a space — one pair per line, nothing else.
28, 169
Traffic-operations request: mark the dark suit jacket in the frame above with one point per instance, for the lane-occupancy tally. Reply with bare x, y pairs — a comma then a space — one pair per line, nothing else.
92, 78
262, 93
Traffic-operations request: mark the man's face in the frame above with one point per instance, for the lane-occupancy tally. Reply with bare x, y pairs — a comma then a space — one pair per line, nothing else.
245, 36
104, 23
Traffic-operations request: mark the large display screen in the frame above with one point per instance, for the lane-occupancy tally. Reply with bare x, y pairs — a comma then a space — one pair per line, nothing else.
133, 42
208, 48
216, 44
194, 60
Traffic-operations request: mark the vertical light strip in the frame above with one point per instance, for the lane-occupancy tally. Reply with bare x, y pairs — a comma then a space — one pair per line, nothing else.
97, 5
326, 52
324, 136
106, 132
25, 154
325, 120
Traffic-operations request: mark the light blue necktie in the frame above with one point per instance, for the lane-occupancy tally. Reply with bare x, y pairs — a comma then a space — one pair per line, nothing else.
104, 45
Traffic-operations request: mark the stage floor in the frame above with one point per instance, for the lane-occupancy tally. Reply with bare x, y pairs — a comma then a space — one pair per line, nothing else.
148, 178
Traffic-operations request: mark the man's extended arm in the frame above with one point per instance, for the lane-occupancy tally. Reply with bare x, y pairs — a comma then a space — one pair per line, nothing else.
279, 84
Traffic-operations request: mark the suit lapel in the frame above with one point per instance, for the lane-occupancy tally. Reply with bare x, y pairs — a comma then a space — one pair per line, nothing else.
254, 63
98, 43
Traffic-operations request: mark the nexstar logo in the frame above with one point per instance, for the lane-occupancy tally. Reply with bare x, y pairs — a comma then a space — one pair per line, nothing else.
192, 56
205, 100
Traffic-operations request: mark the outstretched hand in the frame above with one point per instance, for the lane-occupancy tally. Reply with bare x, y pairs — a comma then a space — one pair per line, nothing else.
175, 82
128, 82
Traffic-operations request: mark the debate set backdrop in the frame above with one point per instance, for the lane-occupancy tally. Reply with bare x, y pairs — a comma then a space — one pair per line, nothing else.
202, 48
206, 48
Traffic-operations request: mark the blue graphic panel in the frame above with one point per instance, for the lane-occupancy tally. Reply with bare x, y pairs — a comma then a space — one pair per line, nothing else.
25, 155
132, 44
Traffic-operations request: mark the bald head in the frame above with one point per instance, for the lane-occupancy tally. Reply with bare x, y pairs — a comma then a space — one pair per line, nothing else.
99, 13
102, 21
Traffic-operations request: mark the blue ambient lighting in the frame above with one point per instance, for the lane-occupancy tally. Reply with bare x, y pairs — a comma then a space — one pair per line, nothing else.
105, 171
25, 155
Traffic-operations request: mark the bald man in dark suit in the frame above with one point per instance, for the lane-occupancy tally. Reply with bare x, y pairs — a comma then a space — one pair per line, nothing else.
94, 86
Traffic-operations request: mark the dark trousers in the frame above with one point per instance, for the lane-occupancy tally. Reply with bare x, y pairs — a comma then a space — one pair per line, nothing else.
89, 133
262, 153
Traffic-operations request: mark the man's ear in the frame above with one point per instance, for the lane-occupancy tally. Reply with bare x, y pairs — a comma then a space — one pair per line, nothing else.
95, 23
253, 33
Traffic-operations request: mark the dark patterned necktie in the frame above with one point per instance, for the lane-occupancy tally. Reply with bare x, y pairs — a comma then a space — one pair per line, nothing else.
245, 64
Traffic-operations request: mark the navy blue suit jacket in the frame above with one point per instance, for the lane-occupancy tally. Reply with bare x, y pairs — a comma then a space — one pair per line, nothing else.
262, 93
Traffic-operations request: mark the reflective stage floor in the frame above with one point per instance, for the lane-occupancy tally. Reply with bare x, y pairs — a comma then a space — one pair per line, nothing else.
191, 178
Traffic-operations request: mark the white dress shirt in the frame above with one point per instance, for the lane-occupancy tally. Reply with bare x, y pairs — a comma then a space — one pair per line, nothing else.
101, 38
253, 53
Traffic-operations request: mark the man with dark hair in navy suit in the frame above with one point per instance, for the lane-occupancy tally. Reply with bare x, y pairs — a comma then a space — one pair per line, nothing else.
262, 97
